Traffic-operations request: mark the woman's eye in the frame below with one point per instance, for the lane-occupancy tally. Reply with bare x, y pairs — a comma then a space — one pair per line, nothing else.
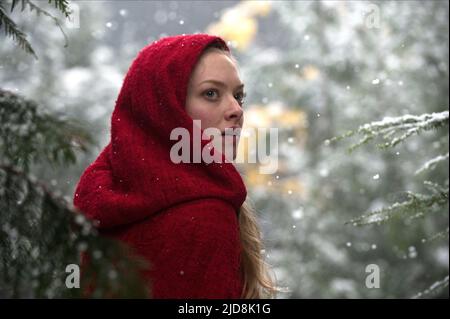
210, 93
240, 97
213, 94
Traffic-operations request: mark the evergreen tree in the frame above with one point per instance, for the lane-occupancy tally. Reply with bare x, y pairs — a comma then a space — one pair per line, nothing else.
414, 206
11, 29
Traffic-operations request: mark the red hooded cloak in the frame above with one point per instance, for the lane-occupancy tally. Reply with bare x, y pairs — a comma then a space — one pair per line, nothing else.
182, 218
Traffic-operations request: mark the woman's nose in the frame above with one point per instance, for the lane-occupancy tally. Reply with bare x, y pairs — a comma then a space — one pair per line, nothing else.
234, 110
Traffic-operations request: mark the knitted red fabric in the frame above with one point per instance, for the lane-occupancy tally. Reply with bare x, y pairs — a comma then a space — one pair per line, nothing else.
183, 218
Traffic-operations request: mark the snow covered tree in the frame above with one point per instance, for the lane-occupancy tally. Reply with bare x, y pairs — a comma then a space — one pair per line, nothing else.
415, 206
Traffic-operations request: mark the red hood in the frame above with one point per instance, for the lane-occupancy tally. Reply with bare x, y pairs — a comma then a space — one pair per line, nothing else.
133, 177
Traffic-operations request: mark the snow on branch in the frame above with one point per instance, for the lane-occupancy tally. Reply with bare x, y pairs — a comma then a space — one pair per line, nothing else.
439, 235
438, 285
431, 164
41, 234
395, 130
415, 206
30, 134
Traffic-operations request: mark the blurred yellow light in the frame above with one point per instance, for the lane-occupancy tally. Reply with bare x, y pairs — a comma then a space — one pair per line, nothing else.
236, 28
238, 24
310, 72
257, 117
293, 185
292, 118
260, 8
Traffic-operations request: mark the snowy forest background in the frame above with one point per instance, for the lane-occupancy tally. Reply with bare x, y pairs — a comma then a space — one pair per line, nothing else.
375, 72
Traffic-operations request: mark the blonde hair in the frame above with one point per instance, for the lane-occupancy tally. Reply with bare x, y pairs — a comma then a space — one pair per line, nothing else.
258, 283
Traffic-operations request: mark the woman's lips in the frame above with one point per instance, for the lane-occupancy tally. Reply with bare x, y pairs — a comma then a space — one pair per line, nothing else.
234, 130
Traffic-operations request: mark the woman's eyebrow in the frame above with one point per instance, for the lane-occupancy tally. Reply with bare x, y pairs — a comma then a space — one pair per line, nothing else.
218, 83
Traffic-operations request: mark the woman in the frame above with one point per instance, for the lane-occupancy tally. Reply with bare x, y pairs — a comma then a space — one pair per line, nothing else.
189, 220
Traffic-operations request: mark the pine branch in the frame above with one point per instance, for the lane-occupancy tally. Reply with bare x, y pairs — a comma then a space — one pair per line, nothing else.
395, 130
438, 285
12, 31
28, 134
431, 164
19, 36
439, 235
416, 206
41, 235
61, 5
39, 11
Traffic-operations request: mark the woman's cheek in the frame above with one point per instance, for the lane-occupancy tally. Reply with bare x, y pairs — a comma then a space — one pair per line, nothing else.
207, 116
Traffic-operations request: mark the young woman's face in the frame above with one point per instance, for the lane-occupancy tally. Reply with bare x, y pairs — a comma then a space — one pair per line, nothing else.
216, 93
